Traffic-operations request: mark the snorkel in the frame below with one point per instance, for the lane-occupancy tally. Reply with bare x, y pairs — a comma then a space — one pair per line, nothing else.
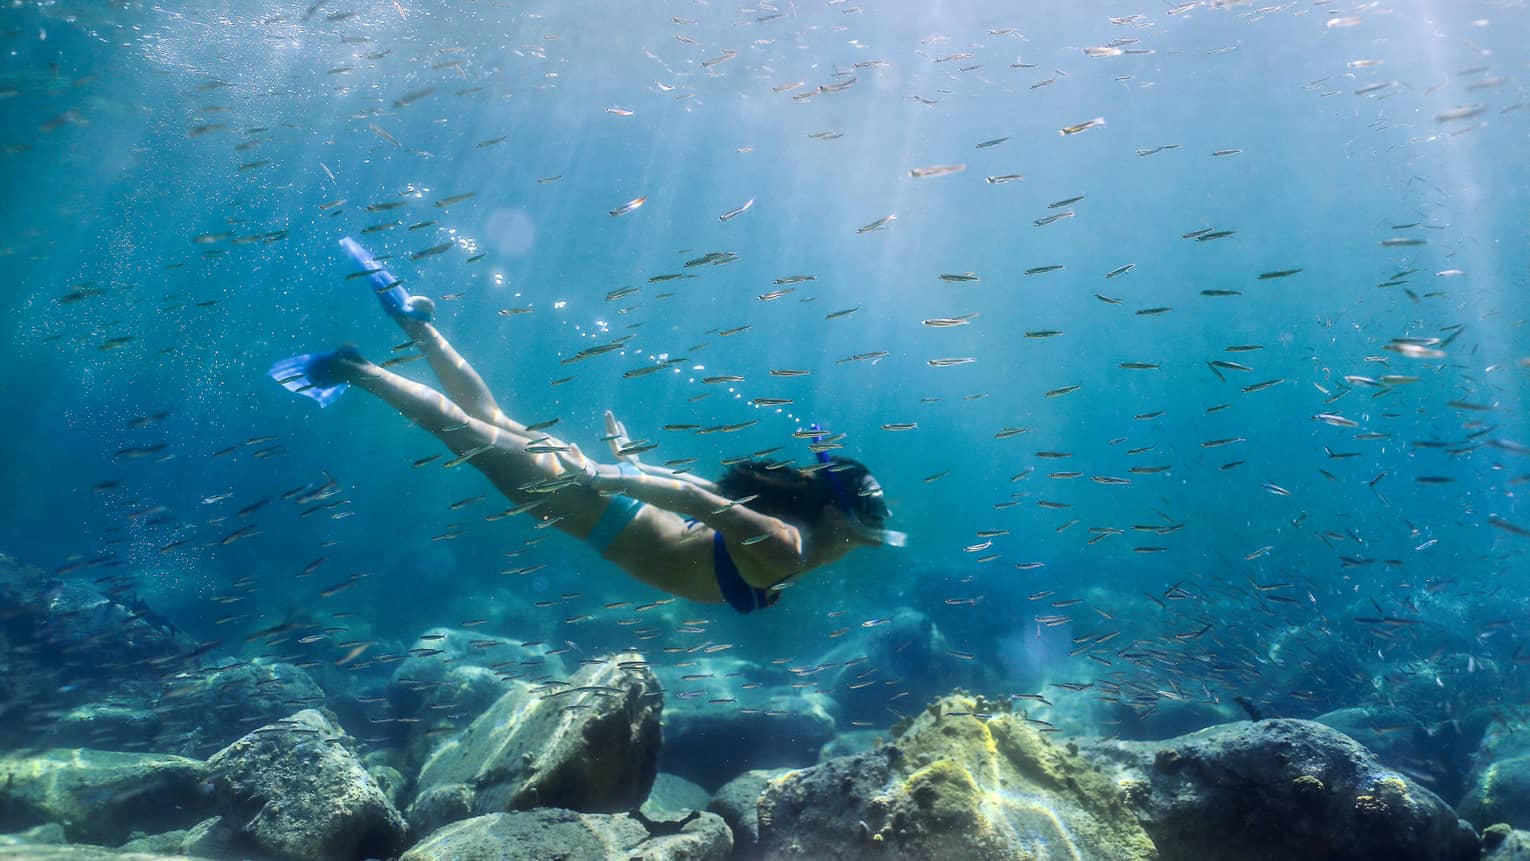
846, 503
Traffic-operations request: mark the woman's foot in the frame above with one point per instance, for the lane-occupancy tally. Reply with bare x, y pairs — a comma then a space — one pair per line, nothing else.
419, 308
321, 376
397, 301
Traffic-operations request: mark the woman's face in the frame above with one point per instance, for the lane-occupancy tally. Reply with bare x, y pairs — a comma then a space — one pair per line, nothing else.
839, 530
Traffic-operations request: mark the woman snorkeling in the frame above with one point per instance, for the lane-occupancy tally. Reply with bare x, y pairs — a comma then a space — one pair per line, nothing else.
739, 539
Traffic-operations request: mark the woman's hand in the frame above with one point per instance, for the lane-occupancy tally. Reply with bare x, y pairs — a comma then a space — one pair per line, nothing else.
616, 435
600, 476
574, 462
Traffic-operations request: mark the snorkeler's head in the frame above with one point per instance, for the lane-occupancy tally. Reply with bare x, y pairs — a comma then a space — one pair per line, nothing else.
804, 495
859, 495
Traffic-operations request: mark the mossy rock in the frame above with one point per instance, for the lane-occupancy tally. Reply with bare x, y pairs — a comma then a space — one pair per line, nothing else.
959, 783
101, 796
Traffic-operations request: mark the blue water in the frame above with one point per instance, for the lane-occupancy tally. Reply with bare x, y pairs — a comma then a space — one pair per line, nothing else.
130, 130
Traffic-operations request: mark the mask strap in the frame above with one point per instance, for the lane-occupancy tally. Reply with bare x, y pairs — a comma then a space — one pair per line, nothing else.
839, 488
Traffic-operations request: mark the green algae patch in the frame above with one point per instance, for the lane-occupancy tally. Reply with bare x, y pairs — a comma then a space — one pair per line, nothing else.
1025, 780
959, 782
945, 794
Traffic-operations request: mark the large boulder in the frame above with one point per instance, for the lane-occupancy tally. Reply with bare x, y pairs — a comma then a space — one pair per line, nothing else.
1438, 756
65, 641
550, 833
451, 676
1501, 843
116, 722
101, 630
38, 835
204, 710
79, 852
101, 796
1499, 792
300, 792
674, 794
1279, 789
422, 679
959, 783
738, 803
590, 744
211, 838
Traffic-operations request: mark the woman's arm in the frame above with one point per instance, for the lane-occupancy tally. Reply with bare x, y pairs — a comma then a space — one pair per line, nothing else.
616, 436
677, 475
684, 498
771, 540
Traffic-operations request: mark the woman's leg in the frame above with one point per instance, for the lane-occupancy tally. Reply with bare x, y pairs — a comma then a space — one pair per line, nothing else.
461, 383
495, 451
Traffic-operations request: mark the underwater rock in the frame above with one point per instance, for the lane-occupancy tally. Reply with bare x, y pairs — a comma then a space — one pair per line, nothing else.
1279, 789
66, 642
417, 681
1499, 792
1502, 843
588, 744
909, 650
1308, 657
116, 723
851, 742
450, 678
101, 796
738, 803
769, 727
1434, 756
549, 833
1167, 719
164, 843
210, 838
303, 794
1444, 686
952, 786
390, 780
438, 805
102, 629
204, 710
78, 852
674, 794
40, 835
445, 706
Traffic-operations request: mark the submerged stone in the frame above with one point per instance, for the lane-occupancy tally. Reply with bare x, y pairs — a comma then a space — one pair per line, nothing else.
204, 710
1502, 843
591, 744
738, 803
298, 791
1279, 789
79, 852
101, 796
548, 833
40, 835
959, 783
674, 794
1499, 792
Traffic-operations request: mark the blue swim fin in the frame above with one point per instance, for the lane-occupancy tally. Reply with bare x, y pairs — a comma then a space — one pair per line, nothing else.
389, 290
312, 375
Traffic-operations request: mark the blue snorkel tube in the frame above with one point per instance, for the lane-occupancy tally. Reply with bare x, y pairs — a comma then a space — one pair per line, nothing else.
876, 535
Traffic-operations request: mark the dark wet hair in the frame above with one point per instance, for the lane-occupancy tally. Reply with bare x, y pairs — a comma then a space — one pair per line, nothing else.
784, 491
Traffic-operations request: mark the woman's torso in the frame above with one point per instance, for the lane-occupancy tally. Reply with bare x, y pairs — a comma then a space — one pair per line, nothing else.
676, 554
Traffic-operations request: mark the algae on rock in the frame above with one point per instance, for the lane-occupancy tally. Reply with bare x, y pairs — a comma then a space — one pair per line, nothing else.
959, 783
